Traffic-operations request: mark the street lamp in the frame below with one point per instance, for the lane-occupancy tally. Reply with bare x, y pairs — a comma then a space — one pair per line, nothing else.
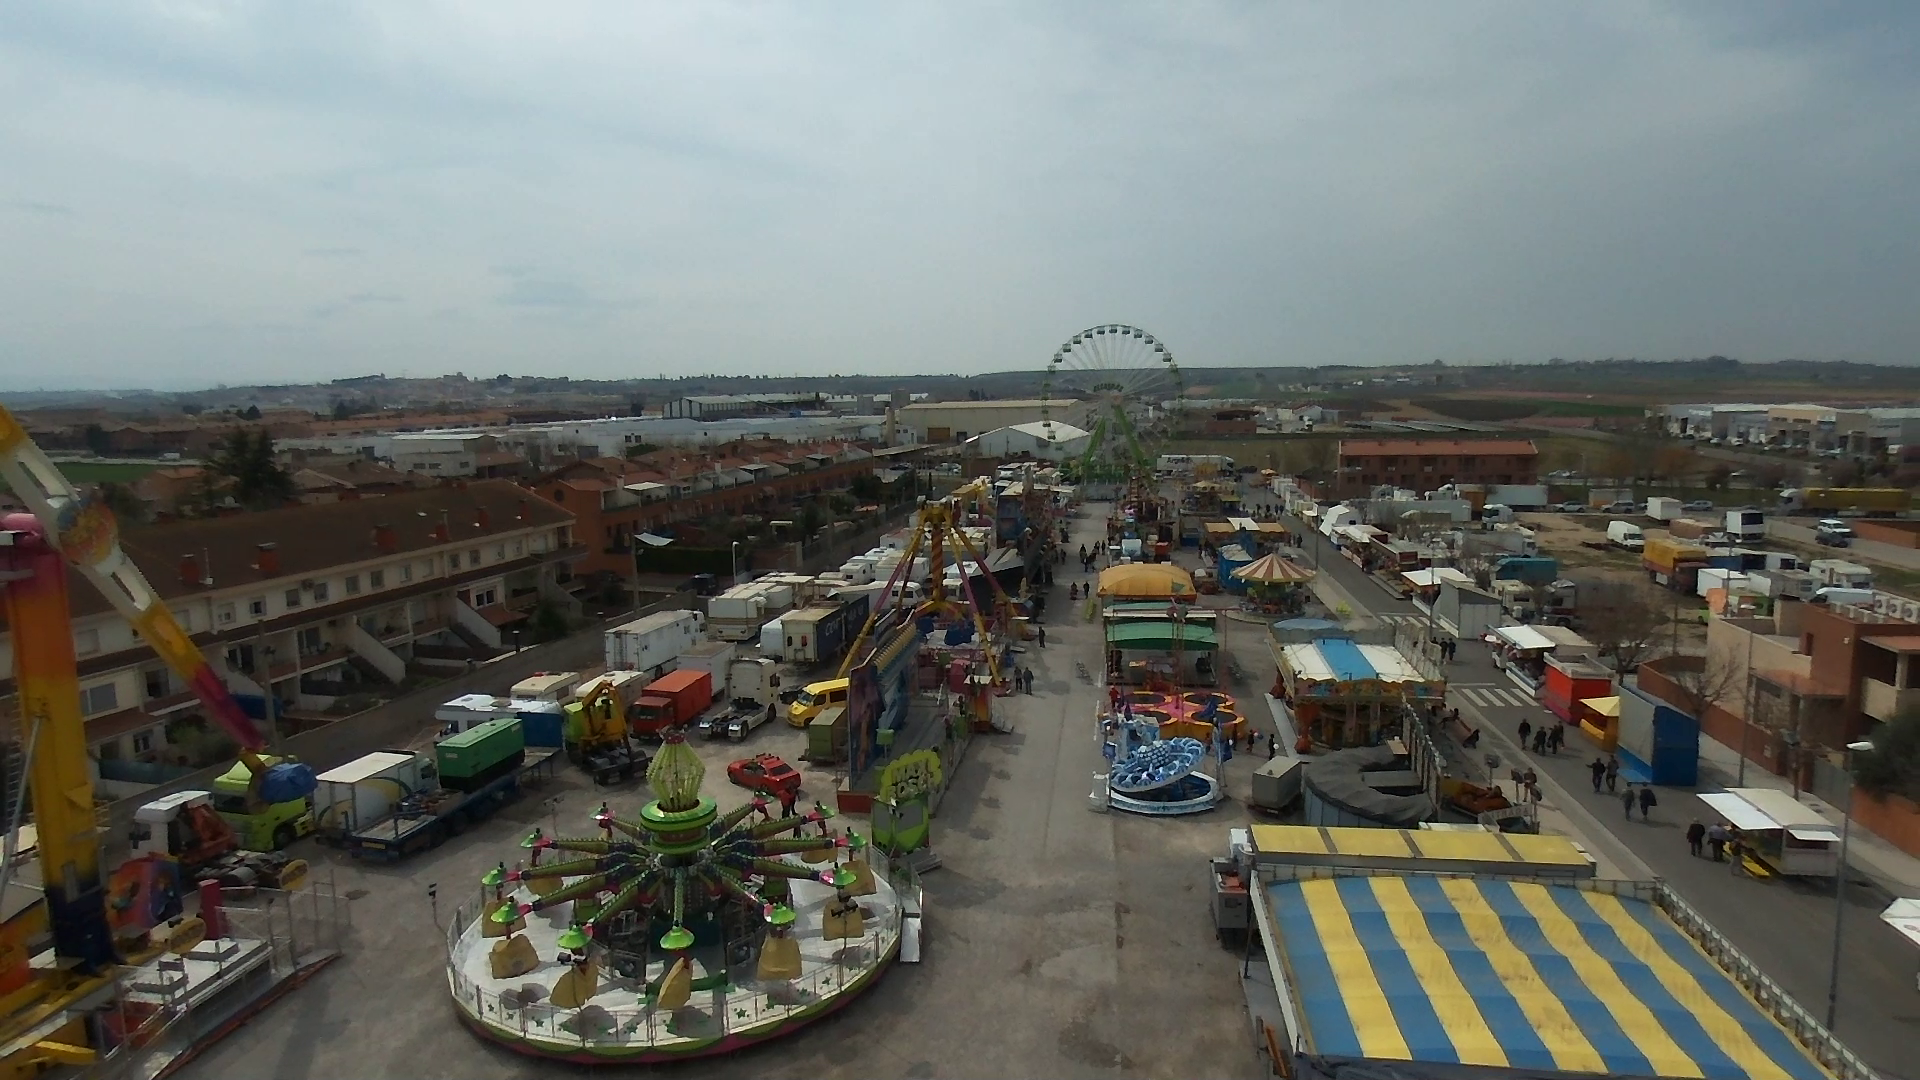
733, 559
1840, 883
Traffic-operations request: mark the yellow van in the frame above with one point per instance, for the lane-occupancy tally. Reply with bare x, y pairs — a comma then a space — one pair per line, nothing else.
814, 698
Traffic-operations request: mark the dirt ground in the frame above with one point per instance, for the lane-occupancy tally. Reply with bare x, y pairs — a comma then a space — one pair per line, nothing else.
1563, 535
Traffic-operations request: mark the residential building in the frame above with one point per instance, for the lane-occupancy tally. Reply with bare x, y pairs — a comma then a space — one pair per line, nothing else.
317, 602
958, 421
1421, 465
174, 489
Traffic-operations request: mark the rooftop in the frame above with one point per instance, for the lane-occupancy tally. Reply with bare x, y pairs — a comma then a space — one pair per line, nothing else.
1009, 403
1366, 447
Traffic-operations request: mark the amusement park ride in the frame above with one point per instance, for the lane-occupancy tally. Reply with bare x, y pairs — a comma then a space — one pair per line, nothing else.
1128, 380
48, 1013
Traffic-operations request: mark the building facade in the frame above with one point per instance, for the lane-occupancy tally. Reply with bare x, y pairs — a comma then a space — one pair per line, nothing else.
316, 603
958, 421
1422, 465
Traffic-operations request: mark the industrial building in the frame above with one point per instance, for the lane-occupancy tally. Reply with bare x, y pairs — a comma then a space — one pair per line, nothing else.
958, 421
1425, 464
1042, 441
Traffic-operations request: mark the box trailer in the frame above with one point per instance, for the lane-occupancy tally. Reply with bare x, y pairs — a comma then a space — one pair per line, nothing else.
755, 679
1746, 526
1663, 508
556, 686
713, 657
456, 715
674, 700
1871, 502
653, 644
366, 789
408, 808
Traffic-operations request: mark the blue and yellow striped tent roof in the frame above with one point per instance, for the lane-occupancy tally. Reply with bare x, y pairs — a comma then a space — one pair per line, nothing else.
1516, 975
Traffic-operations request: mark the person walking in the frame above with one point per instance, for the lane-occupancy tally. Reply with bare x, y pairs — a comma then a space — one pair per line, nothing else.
1559, 738
1532, 781
1717, 841
1613, 772
1599, 771
1696, 838
1648, 800
1526, 731
1273, 746
1540, 739
1627, 800
1043, 637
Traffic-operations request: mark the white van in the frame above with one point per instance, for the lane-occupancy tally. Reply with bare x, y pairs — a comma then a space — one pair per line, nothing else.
1625, 534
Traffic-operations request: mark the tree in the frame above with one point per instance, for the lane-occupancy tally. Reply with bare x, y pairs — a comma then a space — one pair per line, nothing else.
1892, 767
1718, 677
97, 441
1718, 475
341, 410
245, 458
1770, 477
1624, 621
547, 622
252, 413
810, 519
120, 499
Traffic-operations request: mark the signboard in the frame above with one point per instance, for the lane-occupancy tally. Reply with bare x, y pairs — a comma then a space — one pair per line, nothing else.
902, 814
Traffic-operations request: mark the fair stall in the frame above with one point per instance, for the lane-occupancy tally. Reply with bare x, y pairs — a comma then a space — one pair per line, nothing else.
1779, 830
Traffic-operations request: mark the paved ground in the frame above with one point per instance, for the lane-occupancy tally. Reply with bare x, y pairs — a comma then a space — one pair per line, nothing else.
1061, 942
1785, 926
1870, 551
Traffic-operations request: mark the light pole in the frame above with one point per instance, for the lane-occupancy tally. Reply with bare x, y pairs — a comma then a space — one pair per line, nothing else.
1840, 884
733, 562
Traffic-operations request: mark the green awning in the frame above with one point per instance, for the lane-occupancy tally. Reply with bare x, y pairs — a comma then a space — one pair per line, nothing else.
1159, 636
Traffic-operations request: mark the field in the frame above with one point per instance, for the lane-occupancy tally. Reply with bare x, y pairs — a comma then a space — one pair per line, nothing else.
1487, 409
95, 472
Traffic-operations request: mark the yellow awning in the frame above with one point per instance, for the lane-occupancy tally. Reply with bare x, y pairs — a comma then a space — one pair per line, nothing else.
1605, 706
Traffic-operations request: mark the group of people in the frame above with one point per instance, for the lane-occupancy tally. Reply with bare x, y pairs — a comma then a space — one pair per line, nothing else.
1023, 680
1446, 647
1547, 739
1719, 838
1086, 559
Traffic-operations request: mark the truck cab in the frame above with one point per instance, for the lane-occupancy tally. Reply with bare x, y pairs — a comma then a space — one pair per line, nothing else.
814, 698
267, 827
183, 826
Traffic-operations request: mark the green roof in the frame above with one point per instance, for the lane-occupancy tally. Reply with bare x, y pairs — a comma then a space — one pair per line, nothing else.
1159, 636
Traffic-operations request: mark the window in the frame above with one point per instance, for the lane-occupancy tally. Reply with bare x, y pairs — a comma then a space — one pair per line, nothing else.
319, 592
293, 598
86, 642
484, 598
183, 617
143, 742
376, 579
157, 683
225, 613
309, 641
406, 571
103, 698
257, 607
473, 557
499, 552
519, 548
353, 584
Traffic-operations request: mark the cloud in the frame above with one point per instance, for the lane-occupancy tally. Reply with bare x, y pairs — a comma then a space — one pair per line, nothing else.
40, 209
774, 188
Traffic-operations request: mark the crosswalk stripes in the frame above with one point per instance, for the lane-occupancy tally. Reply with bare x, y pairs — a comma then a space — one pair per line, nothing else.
1403, 619
1492, 697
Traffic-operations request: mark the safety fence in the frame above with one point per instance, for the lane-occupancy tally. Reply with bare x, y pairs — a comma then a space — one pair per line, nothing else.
743, 1007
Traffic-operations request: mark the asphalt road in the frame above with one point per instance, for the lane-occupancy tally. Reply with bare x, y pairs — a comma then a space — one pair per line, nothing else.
1785, 926
1858, 551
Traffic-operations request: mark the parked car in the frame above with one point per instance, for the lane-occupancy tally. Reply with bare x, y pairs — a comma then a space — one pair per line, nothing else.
1571, 507
1623, 506
1698, 504
1833, 532
768, 774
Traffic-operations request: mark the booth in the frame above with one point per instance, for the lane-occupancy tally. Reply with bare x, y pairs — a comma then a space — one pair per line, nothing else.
1779, 830
1521, 652
1566, 681
1658, 744
1342, 694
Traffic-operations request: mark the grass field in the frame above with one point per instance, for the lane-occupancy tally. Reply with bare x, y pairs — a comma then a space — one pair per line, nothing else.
94, 472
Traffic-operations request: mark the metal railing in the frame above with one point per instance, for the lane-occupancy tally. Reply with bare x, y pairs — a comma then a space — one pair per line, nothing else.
735, 1011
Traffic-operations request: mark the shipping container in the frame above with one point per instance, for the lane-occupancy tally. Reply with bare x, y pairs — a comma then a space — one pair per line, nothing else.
653, 644
366, 789
713, 657
473, 758
542, 723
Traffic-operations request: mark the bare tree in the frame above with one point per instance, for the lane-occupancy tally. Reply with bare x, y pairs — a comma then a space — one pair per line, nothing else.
1624, 621
1719, 677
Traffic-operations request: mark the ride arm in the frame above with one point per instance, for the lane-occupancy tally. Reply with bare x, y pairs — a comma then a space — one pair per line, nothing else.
83, 530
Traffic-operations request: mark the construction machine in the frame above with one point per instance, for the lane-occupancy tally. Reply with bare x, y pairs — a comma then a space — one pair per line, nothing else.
598, 738
49, 1013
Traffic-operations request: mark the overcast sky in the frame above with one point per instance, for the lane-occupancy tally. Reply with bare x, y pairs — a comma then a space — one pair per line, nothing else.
195, 191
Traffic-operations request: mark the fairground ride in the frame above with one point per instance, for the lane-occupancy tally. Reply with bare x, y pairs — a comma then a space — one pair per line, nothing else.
1129, 387
47, 1013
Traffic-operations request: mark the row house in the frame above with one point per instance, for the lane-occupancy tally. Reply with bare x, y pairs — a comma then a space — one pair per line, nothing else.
1425, 464
314, 602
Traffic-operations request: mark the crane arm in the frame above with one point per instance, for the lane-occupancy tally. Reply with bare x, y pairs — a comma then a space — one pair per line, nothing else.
83, 530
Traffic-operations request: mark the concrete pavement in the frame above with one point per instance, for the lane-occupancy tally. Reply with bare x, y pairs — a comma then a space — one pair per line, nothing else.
1858, 551
1786, 926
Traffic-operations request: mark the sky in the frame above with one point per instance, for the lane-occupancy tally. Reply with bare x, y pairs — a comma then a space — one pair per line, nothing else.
195, 192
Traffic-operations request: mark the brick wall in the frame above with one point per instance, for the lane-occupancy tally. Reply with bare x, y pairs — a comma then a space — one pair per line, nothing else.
1893, 819
1904, 534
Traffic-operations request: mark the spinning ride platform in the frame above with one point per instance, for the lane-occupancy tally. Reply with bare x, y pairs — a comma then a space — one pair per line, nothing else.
1153, 775
1177, 713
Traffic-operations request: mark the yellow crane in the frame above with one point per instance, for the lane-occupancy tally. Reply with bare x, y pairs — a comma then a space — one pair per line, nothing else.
44, 1012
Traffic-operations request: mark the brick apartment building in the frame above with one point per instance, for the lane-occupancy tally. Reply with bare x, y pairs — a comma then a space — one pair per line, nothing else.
332, 599
1424, 464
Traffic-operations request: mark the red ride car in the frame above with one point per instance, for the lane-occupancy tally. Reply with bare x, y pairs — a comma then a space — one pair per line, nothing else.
767, 773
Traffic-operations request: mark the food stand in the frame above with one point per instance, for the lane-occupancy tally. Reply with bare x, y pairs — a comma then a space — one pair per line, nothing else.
1521, 652
1779, 830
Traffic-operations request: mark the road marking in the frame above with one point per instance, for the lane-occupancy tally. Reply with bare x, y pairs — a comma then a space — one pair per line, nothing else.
1493, 697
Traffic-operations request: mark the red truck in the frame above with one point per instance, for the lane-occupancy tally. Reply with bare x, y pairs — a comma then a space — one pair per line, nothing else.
672, 700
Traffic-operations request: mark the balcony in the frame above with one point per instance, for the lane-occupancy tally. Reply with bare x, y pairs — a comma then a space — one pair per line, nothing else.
1884, 701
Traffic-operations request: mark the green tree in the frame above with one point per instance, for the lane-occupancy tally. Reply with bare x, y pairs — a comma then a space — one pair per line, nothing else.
252, 413
547, 623
810, 520
96, 437
245, 458
120, 499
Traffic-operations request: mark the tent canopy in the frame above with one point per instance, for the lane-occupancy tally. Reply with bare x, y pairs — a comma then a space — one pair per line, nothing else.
1272, 570
1160, 636
1146, 581
1904, 915
1605, 706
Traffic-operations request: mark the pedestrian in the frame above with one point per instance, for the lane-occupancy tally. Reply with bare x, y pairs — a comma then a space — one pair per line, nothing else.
1532, 781
1613, 772
1526, 730
1648, 800
1696, 837
1627, 800
1559, 738
1043, 637
1717, 841
1273, 746
1540, 739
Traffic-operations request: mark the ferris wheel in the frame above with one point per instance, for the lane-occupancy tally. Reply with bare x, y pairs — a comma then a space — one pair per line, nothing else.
1120, 383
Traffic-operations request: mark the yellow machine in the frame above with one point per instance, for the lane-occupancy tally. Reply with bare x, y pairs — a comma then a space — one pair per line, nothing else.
597, 736
45, 1012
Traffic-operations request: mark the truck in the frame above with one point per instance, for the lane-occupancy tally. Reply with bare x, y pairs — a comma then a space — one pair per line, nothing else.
1870, 502
1625, 534
556, 686
738, 613
392, 803
184, 828
674, 700
259, 826
1663, 508
818, 635
597, 735
472, 759
1839, 573
754, 679
1671, 561
713, 657
652, 645
1746, 526
470, 710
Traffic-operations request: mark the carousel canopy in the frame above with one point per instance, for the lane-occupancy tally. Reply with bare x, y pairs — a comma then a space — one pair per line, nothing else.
1160, 636
1273, 570
1146, 581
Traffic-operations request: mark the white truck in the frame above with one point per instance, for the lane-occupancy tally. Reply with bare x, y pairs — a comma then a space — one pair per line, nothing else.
653, 644
711, 656
740, 612
1663, 508
755, 679
1746, 526
1625, 534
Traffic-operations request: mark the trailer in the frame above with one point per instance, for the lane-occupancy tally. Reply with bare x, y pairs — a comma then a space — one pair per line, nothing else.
1663, 508
555, 686
1871, 502
421, 818
754, 679
713, 657
818, 635
652, 645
